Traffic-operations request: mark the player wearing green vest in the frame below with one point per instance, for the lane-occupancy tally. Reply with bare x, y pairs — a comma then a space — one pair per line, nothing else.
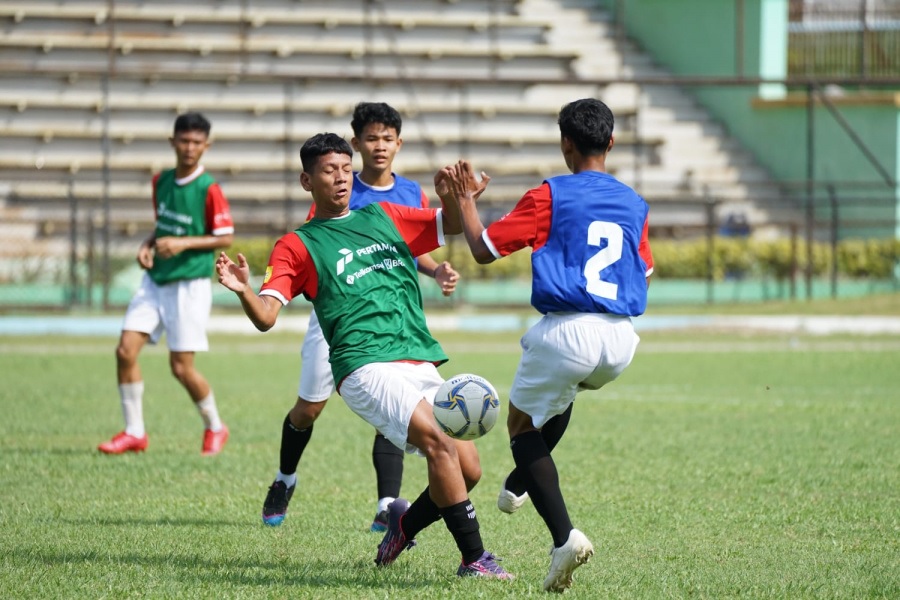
193, 220
376, 136
357, 269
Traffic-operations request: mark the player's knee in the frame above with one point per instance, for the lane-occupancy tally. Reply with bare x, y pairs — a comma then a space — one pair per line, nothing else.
469, 463
125, 356
472, 475
304, 413
438, 447
180, 371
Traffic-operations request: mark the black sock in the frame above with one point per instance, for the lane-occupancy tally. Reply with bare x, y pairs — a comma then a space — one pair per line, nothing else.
537, 469
422, 513
552, 432
293, 442
388, 462
463, 525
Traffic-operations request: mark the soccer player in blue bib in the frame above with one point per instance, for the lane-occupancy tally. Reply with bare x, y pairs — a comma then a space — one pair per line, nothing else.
591, 265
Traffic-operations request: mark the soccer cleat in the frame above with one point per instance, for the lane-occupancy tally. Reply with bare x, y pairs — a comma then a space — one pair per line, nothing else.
123, 442
276, 504
508, 502
394, 541
575, 552
380, 522
485, 566
213, 441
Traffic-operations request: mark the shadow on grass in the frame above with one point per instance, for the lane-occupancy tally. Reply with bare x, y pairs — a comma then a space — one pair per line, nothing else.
312, 571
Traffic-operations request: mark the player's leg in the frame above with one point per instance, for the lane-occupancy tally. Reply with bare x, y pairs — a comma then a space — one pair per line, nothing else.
453, 469
562, 355
392, 398
296, 431
388, 462
571, 548
187, 306
215, 432
315, 387
513, 493
141, 323
538, 471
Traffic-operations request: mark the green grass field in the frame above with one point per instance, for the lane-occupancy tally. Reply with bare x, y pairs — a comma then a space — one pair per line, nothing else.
716, 466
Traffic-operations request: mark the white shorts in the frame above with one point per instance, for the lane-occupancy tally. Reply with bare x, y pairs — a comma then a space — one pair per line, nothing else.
180, 308
565, 353
386, 394
316, 380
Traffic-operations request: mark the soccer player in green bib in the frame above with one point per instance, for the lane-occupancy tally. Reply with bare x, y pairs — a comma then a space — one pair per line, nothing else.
193, 220
358, 270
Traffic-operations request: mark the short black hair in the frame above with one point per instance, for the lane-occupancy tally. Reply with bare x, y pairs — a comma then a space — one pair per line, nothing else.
588, 123
366, 113
320, 145
192, 121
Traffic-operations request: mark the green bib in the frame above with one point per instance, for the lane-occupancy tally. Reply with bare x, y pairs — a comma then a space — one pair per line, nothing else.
368, 300
181, 211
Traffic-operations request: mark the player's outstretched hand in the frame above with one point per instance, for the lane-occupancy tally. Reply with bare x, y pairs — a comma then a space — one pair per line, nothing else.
233, 276
446, 277
462, 182
441, 182
485, 180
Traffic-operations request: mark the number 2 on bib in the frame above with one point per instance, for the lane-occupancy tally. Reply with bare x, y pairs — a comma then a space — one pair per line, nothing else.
597, 232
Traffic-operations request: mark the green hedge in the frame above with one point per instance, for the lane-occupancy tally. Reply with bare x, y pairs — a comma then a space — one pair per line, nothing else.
675, 259
772, 258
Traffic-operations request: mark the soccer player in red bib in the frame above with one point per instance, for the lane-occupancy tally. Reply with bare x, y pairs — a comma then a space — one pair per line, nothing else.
591, 264
193, 220
358, 269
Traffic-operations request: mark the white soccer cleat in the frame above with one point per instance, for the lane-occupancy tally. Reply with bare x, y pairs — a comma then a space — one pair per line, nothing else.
508, 502
575, 552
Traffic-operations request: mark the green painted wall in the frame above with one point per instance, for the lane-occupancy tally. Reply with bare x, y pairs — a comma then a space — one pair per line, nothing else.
697, 37
897, 192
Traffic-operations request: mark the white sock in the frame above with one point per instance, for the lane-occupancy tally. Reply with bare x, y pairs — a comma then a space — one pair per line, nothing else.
210, 413
289, 480
132, 395
383, 503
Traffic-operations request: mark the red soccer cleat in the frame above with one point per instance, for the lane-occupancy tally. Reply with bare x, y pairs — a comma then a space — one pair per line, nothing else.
214, 441
123, 442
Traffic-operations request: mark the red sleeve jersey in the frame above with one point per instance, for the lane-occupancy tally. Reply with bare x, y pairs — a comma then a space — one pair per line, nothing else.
218, 212
528, 224
292, 271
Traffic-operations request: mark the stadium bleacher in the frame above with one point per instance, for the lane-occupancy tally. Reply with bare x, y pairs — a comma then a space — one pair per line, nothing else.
88, 96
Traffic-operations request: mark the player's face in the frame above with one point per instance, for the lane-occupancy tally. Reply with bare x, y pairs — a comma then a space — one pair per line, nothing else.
378, 145
330, 184
189, 147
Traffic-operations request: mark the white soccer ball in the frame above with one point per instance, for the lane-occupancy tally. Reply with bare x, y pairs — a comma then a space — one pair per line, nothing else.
466, 406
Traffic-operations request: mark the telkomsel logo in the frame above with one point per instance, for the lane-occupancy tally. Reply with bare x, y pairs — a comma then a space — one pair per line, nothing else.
345, 260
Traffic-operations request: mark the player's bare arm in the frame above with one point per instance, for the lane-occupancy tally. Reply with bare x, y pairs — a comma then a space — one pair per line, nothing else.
450, 208
169, 246
464, 191
262, 310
